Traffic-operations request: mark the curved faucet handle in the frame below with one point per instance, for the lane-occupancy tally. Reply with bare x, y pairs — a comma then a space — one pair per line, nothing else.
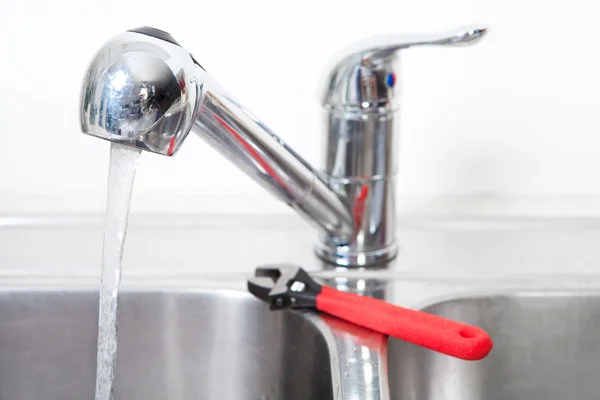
384, 46
362, 75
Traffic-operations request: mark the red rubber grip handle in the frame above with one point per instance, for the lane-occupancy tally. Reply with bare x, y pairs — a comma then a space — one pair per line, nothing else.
427, 330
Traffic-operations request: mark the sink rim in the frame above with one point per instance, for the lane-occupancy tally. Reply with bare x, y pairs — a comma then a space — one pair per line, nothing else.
504, 291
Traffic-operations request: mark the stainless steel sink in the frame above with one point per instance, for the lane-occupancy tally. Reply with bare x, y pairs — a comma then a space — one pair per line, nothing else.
225, 344
547, 346
212, 344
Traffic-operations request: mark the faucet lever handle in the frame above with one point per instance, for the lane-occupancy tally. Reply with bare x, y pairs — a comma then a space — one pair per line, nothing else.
362, 75
380, 47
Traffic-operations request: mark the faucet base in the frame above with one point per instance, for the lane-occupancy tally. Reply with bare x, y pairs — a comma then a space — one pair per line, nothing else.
343, 256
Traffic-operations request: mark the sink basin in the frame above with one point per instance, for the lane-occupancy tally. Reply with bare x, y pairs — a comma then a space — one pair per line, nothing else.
211, 344
225, 344
547, 346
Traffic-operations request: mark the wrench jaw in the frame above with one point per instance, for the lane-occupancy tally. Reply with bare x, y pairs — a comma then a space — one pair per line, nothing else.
272, 272
285, 287
260, 287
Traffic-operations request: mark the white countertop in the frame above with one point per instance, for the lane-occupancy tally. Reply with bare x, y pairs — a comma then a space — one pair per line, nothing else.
166, 248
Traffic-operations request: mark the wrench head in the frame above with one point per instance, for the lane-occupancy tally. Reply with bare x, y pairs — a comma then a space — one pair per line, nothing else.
270, 279
284, 286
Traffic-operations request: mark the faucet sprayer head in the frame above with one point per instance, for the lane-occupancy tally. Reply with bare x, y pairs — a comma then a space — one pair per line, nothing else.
141, 90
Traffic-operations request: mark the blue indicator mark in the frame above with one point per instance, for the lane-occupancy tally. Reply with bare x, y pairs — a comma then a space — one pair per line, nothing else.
390, 79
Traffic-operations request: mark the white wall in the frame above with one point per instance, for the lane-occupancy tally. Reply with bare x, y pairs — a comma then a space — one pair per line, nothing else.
509, 125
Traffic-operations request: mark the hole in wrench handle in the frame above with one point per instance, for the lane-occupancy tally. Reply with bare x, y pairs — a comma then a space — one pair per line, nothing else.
436, 333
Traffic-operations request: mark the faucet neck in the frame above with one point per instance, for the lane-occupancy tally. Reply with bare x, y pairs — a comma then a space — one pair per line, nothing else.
250, 145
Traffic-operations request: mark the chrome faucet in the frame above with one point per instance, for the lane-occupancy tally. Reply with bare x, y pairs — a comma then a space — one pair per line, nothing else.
144, 90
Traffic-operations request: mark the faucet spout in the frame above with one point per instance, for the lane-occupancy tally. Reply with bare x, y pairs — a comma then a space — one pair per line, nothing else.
144, 90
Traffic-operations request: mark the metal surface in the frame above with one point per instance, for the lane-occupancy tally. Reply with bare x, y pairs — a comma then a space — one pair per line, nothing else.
148, 92
361, 355
209, 345
357, 78
546, 347
215, 344
360, 107
140, 94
